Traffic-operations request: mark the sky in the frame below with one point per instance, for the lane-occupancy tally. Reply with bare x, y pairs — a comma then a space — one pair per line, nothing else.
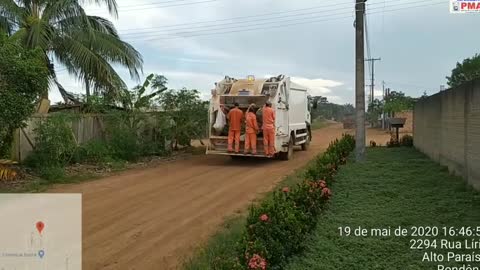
195, 43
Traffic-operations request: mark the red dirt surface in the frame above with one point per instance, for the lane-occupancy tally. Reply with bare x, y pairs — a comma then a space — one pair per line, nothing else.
151, 218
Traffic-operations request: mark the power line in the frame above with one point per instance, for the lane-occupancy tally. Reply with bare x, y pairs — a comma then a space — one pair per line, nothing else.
154, 7
235, 18
166, 37
296, 17
196, 24
406, 84
196, 33
153, 3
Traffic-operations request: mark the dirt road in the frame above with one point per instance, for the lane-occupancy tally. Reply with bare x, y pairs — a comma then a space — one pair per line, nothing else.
150, 218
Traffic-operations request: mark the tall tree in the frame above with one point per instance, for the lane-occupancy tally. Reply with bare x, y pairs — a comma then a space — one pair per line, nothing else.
398, 101
188, 114
86, 45
23, 77
466, 71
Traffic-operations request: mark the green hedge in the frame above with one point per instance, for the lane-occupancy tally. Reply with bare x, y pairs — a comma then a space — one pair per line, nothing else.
276, 229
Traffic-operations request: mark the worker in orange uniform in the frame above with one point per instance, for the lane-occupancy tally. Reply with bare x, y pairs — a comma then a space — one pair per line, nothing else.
251, 128
268, 129
235, 117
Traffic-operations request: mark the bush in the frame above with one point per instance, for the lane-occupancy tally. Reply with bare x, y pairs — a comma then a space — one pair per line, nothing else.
406, 140
122, 137
52, 173
93, 152
54, 147
277, 228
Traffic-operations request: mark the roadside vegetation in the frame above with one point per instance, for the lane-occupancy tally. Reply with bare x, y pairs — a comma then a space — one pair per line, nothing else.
151, 121
394, 187
276, 227
319, 123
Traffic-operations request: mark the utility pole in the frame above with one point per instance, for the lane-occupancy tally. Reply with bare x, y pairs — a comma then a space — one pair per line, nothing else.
359, 80
372, 89
383, 99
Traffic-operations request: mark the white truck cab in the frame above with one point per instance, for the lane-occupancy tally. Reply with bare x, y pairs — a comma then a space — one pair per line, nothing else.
290, 102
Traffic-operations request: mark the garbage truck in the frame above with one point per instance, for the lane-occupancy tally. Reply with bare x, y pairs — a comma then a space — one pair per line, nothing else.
289, 100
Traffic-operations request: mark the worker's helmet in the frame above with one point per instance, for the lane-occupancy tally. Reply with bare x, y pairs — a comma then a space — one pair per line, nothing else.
268, 103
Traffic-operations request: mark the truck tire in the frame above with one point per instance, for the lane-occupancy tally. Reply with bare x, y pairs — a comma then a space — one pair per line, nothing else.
289, 154
306, 144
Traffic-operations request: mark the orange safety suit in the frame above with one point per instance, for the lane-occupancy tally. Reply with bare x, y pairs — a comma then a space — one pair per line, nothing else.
269, 131
235, 117
251, 128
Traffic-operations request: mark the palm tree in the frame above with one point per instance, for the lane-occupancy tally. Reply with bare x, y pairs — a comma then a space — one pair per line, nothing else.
86, 45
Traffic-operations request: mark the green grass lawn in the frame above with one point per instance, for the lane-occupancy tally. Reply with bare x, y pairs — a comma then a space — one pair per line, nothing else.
395, 187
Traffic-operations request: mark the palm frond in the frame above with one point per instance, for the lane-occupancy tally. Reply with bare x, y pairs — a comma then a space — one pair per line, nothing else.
113, 49
7, 173
111, 5
5, 25
10, 7
9, 14
145, 85
84, 62
39, 34
56, 11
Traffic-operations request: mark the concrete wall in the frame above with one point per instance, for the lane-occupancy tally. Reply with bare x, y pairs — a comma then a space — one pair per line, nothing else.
446, 127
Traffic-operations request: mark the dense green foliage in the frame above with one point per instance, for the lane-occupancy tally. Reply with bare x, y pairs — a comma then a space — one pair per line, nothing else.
393, 187
55, 147
466, 71
332, 111
85, 45
23, 77
188, 114
397, 102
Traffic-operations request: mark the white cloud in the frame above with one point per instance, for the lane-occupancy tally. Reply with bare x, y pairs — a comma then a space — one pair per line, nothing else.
378, 93
317, 87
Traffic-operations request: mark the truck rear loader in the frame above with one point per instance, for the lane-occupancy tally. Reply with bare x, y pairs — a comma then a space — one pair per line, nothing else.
290, 102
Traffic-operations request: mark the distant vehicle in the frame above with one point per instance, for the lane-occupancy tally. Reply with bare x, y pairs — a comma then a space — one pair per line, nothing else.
289, 100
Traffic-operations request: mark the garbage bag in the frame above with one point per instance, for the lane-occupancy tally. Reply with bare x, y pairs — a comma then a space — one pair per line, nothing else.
220, 122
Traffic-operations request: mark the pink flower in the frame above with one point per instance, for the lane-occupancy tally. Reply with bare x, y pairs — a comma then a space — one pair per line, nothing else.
286, 189
326, 192
323, 184
257, 262
264, 217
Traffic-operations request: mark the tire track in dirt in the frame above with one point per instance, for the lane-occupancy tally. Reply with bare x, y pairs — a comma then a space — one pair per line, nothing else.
150, 218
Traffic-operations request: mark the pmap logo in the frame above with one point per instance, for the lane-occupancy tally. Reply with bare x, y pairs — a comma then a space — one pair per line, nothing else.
464, 6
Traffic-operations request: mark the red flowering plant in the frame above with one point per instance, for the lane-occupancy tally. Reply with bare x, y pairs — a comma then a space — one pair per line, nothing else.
282, 234
278, 226
257, 262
